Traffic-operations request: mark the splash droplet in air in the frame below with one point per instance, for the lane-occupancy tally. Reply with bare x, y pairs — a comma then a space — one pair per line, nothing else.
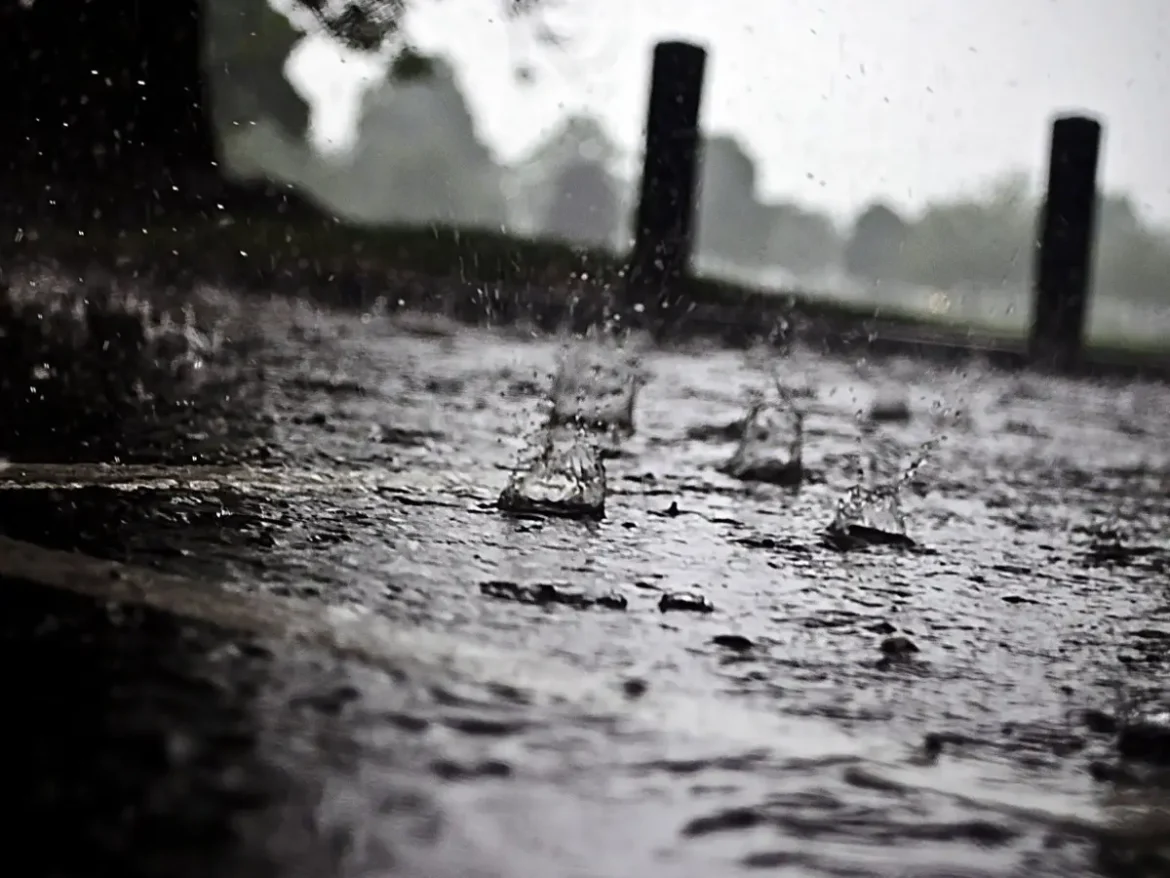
771, 445
870, 512
596, 388
565, 476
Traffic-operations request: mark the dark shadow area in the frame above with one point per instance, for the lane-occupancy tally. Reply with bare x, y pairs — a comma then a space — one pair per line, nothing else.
113, 124
140, 745
213, 534
92, 372
130, 738
194, 531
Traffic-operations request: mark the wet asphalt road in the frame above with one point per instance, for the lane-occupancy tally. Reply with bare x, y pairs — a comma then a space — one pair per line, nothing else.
602, 742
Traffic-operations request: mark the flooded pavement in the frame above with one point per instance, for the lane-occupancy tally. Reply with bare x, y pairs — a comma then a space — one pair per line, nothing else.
483, 694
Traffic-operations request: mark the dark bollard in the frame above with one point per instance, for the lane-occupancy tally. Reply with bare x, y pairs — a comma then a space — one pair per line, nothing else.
664, 224
1064, 261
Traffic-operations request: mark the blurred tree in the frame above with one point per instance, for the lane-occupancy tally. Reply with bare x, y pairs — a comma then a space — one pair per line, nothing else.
801, 240
536, 184
985, 241
107, 98
1132, 259
113, 107
874, 247
578, 138
732, 224
409, 64
370, 25
988, 240
586, 208
247, 45
419, 159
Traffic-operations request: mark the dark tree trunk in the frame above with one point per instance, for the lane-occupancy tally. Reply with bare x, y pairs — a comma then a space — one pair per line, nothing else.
105, 115
104, 106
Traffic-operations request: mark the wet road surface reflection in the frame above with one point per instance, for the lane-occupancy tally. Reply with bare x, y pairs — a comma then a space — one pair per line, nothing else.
775, 732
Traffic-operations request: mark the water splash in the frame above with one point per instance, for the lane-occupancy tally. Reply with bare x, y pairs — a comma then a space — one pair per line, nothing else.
596, 388
870, 512
562, 474
771, 445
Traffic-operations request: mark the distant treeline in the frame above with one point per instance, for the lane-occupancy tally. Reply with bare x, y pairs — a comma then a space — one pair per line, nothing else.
419, 159
988, 239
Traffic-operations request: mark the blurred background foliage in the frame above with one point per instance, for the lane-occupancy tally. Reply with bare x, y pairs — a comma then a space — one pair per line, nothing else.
419, 159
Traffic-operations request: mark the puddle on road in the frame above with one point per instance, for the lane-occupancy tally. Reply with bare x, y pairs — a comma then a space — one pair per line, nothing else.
785, 728
453, 727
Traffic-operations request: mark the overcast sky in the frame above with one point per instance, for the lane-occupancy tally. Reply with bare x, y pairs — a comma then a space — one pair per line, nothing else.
840, 101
